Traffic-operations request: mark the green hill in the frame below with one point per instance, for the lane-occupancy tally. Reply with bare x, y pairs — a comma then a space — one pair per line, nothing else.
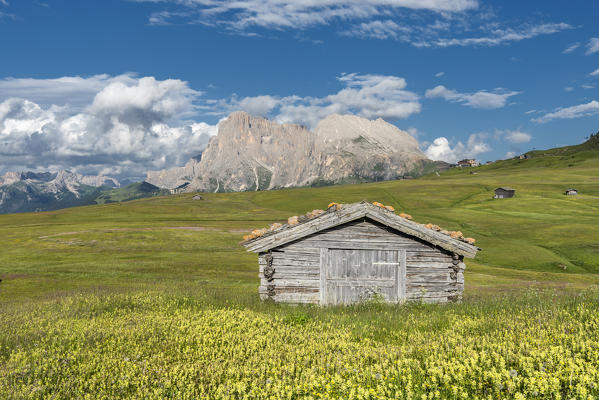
539, 235
134, 191
155, 298
26, 197
591, 146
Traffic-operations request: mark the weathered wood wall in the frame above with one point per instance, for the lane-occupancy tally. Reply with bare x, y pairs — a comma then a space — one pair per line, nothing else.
432, 274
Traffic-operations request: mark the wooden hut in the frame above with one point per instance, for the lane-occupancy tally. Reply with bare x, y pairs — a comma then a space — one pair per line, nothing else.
571, 192
504, 193
356, 251
468, 162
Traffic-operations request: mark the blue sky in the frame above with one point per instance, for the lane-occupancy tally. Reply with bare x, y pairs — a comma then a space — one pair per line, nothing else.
120, 87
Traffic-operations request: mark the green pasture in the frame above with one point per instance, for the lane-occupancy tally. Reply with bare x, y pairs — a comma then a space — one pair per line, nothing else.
540, 237
155, 298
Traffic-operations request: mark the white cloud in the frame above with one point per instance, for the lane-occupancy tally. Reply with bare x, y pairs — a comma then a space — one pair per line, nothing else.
499, 36
297, 14
128, 126
517, 137
147, 97
422, 23
386, 29
578, 111
441, 149
482, 99
257, 105
75, 91
370, 96
592, 46
585, 86
439, 74
571, 48
595, 72
569, 89
510, 154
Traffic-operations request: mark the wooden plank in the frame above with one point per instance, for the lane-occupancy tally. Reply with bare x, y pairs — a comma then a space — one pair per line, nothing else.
424, 294
430, 280
291, 263
415, 272
362, 282
423, 258
432, 286
429, 265
291, 282
308, 253
290, 289
303, 271
402, 276
324, 259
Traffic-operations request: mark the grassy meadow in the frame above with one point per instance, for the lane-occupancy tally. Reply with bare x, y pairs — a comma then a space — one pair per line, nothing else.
155, 298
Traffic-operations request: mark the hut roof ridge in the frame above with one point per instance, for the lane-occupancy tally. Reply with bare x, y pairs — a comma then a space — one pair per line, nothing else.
341, 214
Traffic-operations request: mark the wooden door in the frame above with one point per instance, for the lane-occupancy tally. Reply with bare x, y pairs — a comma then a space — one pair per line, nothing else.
350, 276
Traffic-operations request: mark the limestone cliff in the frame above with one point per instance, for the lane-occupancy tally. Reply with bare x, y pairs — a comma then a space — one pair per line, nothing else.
252, 153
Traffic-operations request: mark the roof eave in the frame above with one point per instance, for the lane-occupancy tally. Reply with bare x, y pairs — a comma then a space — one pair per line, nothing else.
351, 213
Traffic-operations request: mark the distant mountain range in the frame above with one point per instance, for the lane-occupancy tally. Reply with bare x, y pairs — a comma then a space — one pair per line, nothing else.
253, 153
32, 191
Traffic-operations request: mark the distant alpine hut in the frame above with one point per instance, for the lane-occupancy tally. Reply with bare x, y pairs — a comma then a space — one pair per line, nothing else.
504, 193
571, 192
354, 252
468, 162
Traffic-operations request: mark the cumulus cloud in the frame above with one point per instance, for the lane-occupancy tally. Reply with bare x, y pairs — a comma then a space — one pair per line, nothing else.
442, 150
439, 74
595, 72
370, 96
592, 46
516, 137
577, 111
482, 99
129, 125
74, 91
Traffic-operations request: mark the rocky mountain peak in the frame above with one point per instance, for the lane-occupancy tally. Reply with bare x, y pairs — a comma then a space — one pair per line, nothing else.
58, 180
253, 153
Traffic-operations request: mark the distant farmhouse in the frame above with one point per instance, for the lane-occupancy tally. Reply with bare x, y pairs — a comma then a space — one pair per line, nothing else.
571, 192
356, 252
504, 193
467, 162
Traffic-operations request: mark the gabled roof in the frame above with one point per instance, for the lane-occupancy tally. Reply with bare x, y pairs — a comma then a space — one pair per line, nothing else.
507, 189
351, 212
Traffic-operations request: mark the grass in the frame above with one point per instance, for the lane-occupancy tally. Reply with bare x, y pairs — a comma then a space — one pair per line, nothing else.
76, 280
